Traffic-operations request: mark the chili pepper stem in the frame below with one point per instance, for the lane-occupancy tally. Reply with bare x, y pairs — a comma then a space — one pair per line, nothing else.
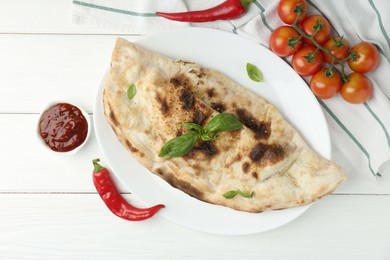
246, 3
96, 166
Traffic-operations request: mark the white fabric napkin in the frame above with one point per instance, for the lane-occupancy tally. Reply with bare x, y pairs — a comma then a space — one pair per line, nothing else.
360, 134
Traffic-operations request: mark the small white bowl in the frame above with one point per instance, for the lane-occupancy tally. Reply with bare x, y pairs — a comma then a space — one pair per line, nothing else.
75, 150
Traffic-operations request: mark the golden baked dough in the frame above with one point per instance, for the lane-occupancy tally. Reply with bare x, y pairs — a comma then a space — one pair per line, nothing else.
266, 156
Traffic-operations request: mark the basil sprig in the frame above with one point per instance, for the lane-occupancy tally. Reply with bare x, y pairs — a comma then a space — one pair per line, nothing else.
254, 72
231, 194
183, 144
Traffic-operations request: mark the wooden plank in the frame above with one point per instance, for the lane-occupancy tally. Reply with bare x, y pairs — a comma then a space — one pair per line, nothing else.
37, 69
41, 16
72, 226
27, 166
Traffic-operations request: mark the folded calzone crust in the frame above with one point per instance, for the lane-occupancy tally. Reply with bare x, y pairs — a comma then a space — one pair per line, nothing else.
266, 156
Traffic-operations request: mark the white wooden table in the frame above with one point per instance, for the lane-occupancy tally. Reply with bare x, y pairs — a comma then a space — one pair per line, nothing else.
49, 208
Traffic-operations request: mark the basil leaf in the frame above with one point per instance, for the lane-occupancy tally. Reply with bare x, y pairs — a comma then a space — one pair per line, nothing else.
193, 126
223, 122
179, 146
230, 194
131, 91
246, 195
254, 73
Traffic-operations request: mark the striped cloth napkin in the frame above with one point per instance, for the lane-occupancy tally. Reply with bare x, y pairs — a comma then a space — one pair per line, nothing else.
360, 134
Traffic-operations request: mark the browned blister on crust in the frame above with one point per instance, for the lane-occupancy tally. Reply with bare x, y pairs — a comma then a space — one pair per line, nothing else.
266, 156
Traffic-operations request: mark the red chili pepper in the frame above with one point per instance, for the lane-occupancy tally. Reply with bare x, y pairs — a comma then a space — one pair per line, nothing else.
227, 10
113, 199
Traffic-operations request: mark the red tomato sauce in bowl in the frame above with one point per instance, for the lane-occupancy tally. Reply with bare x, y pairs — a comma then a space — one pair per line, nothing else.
63, 127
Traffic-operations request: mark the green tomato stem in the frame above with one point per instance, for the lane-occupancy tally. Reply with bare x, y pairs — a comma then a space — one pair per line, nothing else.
319, 47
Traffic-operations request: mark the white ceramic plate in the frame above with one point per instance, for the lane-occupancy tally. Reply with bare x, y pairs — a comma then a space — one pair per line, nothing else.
228, 53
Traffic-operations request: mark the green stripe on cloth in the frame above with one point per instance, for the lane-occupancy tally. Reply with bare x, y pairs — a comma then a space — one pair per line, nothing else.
114, 10
234, 28
379, 122
378, 15
262, 15
358, 144
381, 51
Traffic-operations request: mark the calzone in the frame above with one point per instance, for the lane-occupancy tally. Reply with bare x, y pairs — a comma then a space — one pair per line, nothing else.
267, 157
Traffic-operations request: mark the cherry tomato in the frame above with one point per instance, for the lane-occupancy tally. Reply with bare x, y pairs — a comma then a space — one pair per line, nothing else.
280, 38
326, 83
286, 11
302, 65
357, 89
367, 57
338, 47
318, 27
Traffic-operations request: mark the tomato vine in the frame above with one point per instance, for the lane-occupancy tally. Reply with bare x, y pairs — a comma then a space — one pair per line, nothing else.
308, 39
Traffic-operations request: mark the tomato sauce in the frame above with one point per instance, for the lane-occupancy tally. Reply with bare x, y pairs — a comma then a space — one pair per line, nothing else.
63, 127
